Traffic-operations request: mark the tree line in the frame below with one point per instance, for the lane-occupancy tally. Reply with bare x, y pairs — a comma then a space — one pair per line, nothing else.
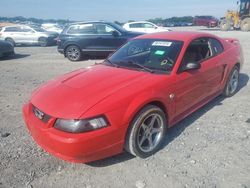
158, 21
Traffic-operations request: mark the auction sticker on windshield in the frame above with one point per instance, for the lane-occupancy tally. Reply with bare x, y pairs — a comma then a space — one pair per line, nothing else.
162, 43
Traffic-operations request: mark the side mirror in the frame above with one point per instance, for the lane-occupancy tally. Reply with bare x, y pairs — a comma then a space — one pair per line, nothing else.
192, 66
237, 2
115, 33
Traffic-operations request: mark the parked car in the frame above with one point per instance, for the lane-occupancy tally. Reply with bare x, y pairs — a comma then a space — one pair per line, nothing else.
92, 38
6, 49
208, 21
128, 101
146, 27
23, 34
51, 27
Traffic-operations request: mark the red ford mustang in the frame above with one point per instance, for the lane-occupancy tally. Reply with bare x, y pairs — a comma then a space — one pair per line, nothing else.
129, 100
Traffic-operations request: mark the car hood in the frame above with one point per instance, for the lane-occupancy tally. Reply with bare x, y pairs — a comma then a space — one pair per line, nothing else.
73, 94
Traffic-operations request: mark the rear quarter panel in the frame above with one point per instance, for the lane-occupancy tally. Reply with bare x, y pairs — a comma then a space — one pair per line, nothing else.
232, 54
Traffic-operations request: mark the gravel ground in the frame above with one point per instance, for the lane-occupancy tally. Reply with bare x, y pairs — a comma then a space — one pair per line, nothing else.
210, 148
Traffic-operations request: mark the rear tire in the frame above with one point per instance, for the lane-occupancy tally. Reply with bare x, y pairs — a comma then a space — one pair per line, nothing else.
73, 53
232, 83
43, 41
146, 132
245, 24
225, 25
11, 41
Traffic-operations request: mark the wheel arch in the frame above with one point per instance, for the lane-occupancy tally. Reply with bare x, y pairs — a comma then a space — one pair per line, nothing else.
70, 44
155, 102
238, 65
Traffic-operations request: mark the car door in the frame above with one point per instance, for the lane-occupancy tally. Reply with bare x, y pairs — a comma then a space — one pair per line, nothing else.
30, 35
195, 86
216, 65
108, 38
83, 35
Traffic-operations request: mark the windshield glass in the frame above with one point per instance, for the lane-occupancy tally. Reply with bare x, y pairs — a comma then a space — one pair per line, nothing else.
156, 55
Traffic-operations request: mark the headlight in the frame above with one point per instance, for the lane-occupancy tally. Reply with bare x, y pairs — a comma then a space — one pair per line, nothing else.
79, 126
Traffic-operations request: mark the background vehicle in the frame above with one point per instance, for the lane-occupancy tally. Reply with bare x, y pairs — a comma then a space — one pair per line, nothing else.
92, 38
208, 21
6, 49
51, 27
239, 19
22, 34
146, 27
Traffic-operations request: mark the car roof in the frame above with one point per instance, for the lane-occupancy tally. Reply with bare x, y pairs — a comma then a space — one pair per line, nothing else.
176, 35
75, 23
139, 22
19, 25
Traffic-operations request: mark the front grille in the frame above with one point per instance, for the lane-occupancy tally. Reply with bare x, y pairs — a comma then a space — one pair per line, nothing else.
40, 115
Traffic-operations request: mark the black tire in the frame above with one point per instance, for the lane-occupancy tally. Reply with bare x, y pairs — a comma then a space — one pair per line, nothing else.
225, 25
139, 130
231, 86
245, 24
73, 53
43, 41
11, 41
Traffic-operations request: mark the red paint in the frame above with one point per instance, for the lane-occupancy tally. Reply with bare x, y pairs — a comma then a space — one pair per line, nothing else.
119, 94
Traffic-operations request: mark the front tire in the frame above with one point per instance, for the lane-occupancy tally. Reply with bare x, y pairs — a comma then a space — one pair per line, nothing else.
73, 53
146, 132
232, 83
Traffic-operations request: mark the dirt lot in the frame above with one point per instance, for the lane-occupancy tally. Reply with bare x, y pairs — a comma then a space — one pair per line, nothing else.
210, 148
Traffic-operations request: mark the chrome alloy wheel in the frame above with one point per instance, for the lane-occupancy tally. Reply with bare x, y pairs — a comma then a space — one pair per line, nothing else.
150, 132
73, 53
233, 82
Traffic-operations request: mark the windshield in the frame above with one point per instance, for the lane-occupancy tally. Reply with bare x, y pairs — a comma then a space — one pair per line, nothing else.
156, 55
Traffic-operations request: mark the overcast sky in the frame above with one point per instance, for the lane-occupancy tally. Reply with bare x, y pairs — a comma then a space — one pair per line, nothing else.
120, 10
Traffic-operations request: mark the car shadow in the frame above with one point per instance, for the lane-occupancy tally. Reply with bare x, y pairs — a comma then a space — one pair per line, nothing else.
15, 56
174, 131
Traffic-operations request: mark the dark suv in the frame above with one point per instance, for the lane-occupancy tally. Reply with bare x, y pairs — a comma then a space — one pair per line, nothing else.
92, 38
208, 21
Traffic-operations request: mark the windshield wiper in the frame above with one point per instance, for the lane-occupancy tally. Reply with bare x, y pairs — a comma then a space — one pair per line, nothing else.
113, 64
139, 65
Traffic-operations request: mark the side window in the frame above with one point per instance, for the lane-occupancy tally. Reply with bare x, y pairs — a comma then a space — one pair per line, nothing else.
198, 50
82, 29
12, 29
104, 29
216, 46
136, 25
25, 30
147, 25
